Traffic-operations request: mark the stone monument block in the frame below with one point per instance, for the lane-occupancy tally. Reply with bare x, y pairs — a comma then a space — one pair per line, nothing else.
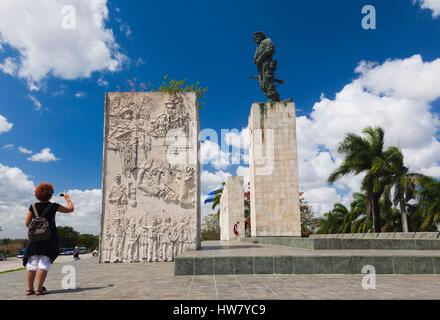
150, 200
273, 158
232, 209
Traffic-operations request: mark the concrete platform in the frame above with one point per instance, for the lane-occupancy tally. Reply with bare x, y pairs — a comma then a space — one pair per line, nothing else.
227, 258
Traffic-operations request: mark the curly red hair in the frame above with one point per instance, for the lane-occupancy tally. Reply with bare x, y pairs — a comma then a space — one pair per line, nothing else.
44, 191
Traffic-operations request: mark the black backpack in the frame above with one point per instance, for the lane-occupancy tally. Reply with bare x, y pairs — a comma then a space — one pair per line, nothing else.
39, 229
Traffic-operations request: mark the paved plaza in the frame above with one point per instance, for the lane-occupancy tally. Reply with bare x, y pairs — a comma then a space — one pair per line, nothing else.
157, 281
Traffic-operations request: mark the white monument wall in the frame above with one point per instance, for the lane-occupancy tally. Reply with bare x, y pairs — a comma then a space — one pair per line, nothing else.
150, 209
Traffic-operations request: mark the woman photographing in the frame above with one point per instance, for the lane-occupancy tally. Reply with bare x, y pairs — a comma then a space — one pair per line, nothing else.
44, 243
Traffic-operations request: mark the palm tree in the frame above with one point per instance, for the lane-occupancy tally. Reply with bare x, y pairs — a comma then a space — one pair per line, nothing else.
428, 196
356, 221
216, 202
345, 214
391, 218
366, 155
404, 184
332, 221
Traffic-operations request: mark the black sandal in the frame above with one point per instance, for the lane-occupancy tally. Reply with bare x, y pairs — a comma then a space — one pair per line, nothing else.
30, 292
41, 292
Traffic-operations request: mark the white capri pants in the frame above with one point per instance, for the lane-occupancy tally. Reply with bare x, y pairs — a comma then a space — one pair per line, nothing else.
38, 262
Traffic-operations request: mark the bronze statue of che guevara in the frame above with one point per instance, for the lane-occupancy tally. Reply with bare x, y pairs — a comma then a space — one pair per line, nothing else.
266, 66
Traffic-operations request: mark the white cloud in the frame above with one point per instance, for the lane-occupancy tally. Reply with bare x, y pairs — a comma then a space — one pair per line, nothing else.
102, 82
210, 152
80, 95
397, 96
243, 172
125, 29
433, 171
45, 47
5, 126
17, 190
433, 5
397, 78
239, 140
24, 150
87, 215
45, 155
234, 150
37, 104
322, 199
211, 181
9, 66
8, 147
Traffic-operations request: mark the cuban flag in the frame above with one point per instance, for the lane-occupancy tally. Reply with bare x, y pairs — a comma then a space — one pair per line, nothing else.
212, 194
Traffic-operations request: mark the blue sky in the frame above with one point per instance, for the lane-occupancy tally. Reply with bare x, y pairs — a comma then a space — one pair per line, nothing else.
319, 46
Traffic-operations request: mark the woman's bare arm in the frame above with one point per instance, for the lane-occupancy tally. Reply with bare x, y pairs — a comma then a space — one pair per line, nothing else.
69, 208
28, 218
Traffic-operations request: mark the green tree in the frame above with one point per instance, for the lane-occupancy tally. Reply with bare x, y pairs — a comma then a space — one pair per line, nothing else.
308, 221
358, 214
211, 227
344, 220
68, 237
88, 240
6, 241
428, 206
216, 202
331, 221
404, 184
247, 204
366, 155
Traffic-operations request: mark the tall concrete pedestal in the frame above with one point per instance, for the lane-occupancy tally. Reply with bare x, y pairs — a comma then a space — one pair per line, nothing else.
232, 209
273, 157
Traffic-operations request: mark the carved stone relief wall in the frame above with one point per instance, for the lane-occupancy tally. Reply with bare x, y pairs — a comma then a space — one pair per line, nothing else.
151, 175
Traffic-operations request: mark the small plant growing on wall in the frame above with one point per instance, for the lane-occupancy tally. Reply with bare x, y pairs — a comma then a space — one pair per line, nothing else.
173, 86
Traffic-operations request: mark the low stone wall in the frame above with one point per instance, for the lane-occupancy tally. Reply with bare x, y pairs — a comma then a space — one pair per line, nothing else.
415, 241
305, 265
384, 235
375, 244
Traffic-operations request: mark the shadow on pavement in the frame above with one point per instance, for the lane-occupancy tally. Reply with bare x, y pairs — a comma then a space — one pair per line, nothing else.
79, 289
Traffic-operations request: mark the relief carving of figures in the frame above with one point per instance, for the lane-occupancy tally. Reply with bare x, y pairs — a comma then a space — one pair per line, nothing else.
184, 181
183, 236
175, 117
152, 240
127, 135
148, 205
148, 240
119, 242
169, 184
143, 242
108, 244
133, 244
165, 243
118, 197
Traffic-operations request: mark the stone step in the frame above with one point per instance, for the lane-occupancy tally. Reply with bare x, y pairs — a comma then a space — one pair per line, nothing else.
383, 235
350, 244
307, 264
